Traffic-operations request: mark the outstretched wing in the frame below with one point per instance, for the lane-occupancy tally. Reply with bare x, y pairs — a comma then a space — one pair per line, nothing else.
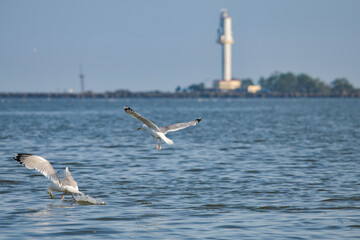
179, 126
134, 114
68, 181
39, 164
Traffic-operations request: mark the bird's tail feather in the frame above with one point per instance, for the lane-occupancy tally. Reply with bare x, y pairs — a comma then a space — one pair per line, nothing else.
167, 140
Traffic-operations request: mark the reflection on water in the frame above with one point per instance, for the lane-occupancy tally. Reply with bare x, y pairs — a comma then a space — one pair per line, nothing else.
253, 168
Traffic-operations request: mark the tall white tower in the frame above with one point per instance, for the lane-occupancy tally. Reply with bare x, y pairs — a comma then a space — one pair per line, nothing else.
225, 38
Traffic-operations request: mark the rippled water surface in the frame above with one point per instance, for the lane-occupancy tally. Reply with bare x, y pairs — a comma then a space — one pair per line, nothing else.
252, 169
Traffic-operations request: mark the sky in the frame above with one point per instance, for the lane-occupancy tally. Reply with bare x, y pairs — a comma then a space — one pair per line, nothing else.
145, 45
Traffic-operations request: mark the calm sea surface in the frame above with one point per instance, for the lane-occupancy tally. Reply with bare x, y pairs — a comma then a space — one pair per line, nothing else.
252, 169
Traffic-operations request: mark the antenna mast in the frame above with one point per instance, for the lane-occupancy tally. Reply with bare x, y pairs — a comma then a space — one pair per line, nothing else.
82, 83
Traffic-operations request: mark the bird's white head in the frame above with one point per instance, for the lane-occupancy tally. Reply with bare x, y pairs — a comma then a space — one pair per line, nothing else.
143, 127
50, 189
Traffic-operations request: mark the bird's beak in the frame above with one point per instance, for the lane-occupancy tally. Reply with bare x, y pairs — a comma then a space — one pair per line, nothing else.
138, 129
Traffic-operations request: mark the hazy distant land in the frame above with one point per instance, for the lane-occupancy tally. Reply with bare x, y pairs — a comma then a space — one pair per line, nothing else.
157, 94
276, 85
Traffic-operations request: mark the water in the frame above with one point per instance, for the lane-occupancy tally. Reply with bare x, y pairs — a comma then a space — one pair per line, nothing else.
253, 169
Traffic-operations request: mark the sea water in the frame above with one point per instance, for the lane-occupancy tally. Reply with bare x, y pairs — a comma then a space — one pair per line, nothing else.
252, 169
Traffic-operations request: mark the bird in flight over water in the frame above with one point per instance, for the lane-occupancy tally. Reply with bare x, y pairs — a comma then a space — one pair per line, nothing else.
65, 184
160, 132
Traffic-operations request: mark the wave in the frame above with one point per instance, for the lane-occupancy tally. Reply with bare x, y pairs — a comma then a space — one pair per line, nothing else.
84, 199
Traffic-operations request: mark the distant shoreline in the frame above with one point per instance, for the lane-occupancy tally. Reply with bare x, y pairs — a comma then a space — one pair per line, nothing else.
157, 94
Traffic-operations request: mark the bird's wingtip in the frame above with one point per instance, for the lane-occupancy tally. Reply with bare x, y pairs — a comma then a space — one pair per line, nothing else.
198, 119
126, 108
18, 156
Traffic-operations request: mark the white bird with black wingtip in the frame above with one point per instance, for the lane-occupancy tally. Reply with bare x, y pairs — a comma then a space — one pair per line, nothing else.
160, 132
66, 184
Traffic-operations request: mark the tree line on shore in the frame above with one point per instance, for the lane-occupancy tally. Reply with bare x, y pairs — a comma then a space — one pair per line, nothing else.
303, 83
294, 85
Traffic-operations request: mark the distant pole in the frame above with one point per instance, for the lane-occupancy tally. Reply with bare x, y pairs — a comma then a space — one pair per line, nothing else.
82, 83
226, 40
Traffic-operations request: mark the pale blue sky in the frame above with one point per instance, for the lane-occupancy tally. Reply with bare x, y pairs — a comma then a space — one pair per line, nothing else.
158, 45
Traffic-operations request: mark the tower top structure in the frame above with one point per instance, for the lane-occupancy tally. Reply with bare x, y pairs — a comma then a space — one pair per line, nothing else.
224, 31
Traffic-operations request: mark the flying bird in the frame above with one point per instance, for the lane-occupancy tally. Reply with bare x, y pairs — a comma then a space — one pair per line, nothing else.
160, 132
66, 184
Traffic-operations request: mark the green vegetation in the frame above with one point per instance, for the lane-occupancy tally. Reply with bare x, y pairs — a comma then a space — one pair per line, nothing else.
246, 82
303, 84
197, 87
341, 86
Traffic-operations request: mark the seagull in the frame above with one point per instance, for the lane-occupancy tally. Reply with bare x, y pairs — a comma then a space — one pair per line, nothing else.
66, 185
160, 132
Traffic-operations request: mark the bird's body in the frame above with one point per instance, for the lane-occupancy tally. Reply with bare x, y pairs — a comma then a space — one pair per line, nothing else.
158, 135
160, 132
65, 183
